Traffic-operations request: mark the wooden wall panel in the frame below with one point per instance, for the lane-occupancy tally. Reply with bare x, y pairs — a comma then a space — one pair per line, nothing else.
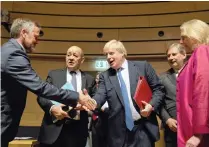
202, 5
86, 22
151, 8
61, 47
96, 48
60, 9
138, 34
108, 9
149, 34
8, 5
114, 22
3, 41
79, 34
4, 32
177, 19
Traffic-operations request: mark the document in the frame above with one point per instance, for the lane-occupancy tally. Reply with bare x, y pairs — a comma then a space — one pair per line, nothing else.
142, 93
67, 86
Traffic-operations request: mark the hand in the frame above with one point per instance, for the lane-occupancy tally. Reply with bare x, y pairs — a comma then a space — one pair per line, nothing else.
147, 109
57, 111
81, 107
86, 101
194, 141
172, 124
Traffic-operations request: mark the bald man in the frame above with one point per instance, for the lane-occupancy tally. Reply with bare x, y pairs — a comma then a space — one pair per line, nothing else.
66, 132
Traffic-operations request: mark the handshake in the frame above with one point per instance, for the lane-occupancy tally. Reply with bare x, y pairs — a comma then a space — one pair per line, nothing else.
62, 111
85, 102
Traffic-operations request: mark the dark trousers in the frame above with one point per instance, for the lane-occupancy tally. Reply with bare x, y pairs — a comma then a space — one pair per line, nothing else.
170, 137
138, 137
99, 131
68, 138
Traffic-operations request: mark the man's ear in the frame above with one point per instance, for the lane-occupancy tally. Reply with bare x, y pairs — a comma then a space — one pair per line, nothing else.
83, 59
23, 33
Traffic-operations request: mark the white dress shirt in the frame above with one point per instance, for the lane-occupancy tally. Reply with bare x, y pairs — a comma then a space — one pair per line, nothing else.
79, 85
78, 79
125, 75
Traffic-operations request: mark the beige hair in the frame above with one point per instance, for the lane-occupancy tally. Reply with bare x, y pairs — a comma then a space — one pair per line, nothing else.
180, 48
196, 29
22, 23
117, 45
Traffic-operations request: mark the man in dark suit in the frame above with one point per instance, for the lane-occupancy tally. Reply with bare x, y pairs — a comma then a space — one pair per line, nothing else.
67, 132
127, 125
17, 76
176, 56
99, 123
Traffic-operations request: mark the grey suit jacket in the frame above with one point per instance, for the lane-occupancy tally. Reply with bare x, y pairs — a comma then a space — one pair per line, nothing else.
109, 90
17, 76
50, 131
168, 109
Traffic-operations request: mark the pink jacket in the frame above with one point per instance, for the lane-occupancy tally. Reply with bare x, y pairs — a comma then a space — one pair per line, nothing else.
193, 97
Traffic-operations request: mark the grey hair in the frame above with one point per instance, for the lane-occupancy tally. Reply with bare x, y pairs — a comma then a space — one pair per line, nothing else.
19, 24
117, 45
196, 29
178, 46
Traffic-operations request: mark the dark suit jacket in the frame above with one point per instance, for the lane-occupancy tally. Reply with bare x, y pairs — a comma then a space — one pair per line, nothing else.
168, 109
109, 89
17, 76
50, 131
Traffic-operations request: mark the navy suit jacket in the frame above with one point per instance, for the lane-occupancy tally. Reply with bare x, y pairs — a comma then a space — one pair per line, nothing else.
50, 131
109, 90
17, 76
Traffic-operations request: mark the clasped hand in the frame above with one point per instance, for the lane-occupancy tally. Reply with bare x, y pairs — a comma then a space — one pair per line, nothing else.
57, 111
85, 102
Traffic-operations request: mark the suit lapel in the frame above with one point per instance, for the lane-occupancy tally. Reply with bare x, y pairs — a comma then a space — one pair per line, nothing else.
83, 80
114, 80
172, 76
134, 74
63, 77
133, 77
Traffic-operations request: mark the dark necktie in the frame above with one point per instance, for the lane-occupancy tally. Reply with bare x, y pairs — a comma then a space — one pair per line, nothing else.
73, 81
128, 114
72, 113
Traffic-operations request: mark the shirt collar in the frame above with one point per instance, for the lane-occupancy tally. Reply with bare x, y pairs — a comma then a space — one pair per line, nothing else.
125, 64
77, 71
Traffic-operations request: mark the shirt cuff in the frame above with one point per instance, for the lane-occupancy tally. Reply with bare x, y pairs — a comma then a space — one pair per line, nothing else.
51, 109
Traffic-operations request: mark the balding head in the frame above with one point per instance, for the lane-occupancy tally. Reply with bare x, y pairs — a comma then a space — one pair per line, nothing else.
74, 58
76, 49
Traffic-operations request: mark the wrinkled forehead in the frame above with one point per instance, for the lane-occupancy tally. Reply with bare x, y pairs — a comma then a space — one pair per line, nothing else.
75, 50
173, 50
107, 50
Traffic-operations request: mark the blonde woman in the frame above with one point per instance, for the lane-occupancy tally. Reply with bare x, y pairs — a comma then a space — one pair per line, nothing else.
193, 87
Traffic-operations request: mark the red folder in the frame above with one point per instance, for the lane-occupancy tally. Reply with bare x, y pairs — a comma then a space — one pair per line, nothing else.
142, 93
